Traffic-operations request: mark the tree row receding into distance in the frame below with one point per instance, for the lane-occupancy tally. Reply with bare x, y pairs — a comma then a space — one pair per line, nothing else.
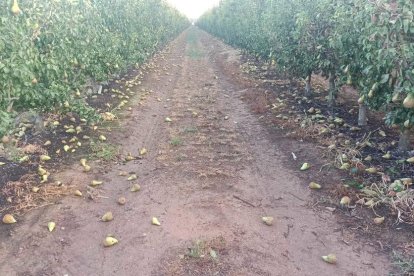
49, 49
368, 44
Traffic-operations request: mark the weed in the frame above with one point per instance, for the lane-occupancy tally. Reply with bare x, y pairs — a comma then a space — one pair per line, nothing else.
405, 265
14, 153
197, 250
176, 141
104, 151
190, 130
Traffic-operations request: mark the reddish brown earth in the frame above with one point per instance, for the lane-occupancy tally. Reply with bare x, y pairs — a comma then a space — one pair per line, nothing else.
209, 176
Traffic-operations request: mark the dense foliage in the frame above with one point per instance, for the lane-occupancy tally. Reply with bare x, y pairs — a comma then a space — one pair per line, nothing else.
48, 49
367, 44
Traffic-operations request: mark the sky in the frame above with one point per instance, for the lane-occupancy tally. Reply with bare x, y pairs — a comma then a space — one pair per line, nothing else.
193, 8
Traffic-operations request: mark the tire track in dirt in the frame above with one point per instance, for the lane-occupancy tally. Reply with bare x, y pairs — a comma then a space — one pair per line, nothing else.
209, 175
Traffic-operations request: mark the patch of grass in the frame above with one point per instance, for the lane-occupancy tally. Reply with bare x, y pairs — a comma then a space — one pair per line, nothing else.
14, 153
190, 130
176, 141
404, 265
104, 151
198, 250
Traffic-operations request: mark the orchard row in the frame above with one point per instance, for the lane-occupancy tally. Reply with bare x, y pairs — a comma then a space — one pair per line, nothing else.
366, 44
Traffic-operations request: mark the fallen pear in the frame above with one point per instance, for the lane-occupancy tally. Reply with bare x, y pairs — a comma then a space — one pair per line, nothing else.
368, 158
387, 155
143, 151
44, 158
107, 217
135, 188
123, 173
110, 241
9, 219
51, 226
87, 168
129, 157
268, 220
407, 181
41, 171
35, 189
345, 166
371, 170
132, 177
155, 221
168, 120
95, 183
330, 259
77, 193
102, 138
345, 201
410, 160
5, 139
15, 8
121, 201
379, 220
83, 162
24, 159
305, 167
66, 148
315, 186
409, 101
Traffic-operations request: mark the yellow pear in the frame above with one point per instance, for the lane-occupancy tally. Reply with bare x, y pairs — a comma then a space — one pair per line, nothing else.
135, 188
95, 183
110, 241
78, 193
371, 170
155, 221
9, 219
45, 158
132, 177
121, 201
345, 200
15, 8
379, 220
314, 185
51, 226
107, 217
268, 220
330, 259
305, 167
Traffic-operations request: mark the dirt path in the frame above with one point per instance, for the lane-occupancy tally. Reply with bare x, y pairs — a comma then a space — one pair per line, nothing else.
209, 176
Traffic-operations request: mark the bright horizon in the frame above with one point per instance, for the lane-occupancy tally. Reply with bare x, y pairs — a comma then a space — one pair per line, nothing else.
193, 9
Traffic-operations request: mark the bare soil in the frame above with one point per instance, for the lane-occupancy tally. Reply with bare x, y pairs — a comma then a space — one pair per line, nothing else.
209, 176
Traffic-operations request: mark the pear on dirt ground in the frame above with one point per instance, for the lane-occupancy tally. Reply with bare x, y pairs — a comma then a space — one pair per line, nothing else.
330, 259
315, 186
110, 241
135, 188
155, 221
121, 201
379, 220
51, 226
305, 167
9, 219
345, 201
268, 220
107, 217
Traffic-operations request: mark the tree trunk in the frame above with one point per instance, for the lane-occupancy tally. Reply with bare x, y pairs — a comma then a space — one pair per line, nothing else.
362, 115
404, 143
308, 87
332, 92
